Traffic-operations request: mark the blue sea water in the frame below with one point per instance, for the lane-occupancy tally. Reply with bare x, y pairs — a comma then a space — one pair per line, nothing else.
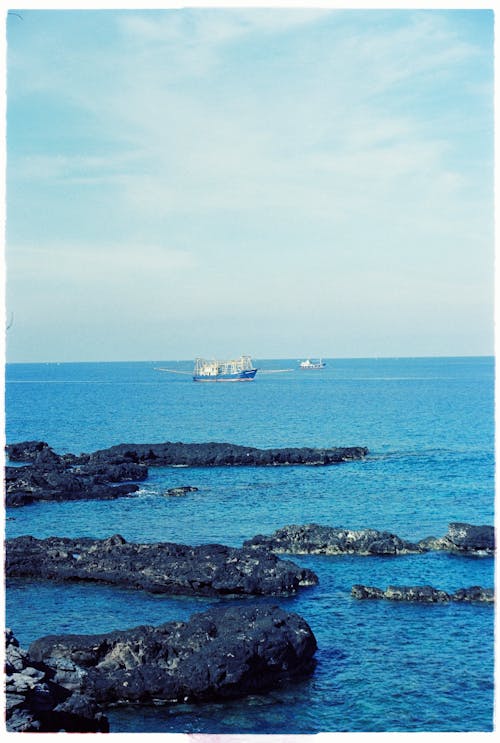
429, 426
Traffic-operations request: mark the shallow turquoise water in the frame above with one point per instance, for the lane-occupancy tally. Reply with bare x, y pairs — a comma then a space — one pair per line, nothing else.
428, 424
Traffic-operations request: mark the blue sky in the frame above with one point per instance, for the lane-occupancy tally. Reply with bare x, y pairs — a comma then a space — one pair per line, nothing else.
276, 182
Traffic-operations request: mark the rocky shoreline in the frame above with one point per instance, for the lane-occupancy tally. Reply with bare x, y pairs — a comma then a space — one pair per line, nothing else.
66, 682
161, 567
315, 539
215, 655
114, 472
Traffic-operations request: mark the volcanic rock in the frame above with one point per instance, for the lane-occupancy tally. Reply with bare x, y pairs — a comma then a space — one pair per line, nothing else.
424, 594
465, 539
223, 454
218, 654
329, 540
51, 476
37, 702
164, 567
181, 490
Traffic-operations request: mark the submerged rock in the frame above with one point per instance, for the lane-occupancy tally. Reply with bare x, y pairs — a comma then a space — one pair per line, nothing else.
161, 567
329, 540
464, 539
182, 490
218, 654
424, 594
36, 701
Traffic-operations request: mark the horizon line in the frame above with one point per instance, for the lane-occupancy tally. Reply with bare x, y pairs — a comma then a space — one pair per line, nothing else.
261, 358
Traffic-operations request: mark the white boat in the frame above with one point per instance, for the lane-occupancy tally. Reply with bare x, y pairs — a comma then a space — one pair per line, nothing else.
308, 364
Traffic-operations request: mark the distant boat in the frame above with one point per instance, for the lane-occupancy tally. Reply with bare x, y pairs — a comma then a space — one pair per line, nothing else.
234, 370
308, 364
213, 370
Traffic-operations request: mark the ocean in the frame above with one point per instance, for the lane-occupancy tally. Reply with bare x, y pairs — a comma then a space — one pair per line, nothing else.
381, 666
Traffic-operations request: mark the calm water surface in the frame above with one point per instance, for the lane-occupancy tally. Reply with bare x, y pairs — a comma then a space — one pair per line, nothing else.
429, 426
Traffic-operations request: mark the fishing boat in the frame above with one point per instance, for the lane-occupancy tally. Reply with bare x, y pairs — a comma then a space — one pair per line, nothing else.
308, 364
234, 370
212, 370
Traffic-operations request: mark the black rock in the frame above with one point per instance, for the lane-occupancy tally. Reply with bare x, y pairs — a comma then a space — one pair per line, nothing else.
181, 490
329, 540
37, 702
206, 570
26, 451
219, 654
424, 594
465, 539
223, 454
51, 476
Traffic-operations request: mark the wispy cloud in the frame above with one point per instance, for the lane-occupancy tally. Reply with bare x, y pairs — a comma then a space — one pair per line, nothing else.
173, 143
218, 137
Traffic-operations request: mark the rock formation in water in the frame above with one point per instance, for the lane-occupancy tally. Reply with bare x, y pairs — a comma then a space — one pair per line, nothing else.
313, 539
425, 594
465, 539
51, 476
206, 570
221, 455
218, 654
182, 490
37, 702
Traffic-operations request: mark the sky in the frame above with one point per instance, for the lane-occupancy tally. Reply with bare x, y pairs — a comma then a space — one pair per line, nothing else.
278, 182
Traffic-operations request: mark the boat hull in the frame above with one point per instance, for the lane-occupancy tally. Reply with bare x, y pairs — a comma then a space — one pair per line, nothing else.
244, 376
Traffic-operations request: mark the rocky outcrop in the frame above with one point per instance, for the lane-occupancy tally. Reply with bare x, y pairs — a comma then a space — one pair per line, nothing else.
188, 455
222, 454
165, 567
313, 539
36, 701
218, 654
425, 594
182, 490
464, 539
51, 476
